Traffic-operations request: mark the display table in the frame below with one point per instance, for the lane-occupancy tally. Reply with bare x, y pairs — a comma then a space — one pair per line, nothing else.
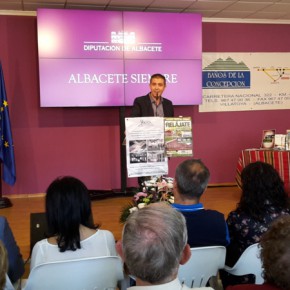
279, 159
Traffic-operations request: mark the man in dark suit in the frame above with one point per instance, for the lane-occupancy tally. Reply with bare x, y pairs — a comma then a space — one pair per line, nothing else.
15, 261
153, 104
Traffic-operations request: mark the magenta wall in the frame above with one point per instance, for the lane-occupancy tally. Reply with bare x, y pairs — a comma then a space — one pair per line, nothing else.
84, 142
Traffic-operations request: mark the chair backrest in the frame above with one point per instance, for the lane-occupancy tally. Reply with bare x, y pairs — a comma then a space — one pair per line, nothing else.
203, 264
248, 263
85, 274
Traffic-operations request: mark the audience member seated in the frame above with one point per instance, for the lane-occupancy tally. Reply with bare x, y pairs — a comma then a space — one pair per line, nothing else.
263, 199
275, 256
3, 265
72, 233
205, 227
154, 243
15, 261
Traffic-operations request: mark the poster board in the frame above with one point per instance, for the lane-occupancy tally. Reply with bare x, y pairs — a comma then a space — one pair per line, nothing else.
145, 149
178, 136
245, 81
151, 140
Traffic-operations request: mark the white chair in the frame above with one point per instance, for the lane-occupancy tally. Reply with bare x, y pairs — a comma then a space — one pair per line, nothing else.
248, 263
203, 264
81, 274
8, 284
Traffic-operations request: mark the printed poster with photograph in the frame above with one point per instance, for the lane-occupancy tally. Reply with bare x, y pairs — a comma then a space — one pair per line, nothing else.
145, 147
178, 136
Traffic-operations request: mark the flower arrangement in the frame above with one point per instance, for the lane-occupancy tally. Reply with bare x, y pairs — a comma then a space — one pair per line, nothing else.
153, 190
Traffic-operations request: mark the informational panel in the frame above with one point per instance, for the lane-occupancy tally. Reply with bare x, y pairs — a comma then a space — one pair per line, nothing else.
106, 58
245, 81
178, 136
145, 147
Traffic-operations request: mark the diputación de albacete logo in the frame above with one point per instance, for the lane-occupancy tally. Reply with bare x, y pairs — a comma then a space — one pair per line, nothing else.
122, 41
226, 74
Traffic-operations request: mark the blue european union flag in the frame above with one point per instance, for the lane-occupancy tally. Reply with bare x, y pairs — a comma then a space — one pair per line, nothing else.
6, 142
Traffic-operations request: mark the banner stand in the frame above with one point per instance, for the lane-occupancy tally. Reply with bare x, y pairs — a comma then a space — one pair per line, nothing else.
124, 190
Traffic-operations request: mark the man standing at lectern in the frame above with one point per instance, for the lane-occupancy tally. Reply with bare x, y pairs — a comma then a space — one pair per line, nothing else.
153, 104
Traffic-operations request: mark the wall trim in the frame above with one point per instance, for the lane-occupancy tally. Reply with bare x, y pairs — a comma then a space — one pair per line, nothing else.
204, 19
17, 13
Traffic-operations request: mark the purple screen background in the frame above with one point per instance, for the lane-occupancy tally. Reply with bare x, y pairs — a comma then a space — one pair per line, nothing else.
102, 58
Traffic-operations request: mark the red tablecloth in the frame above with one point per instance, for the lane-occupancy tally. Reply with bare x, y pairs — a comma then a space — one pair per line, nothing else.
278, 159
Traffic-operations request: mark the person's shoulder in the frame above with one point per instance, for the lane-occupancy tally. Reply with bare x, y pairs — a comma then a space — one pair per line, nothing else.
141, 98
166, 100
4, 226
237, 214
214, 212
2, 218
107, 234
40, 246
3, 222
41, 243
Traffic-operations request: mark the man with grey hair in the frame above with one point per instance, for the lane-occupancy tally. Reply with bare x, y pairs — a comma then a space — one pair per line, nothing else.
205, 227
154, 243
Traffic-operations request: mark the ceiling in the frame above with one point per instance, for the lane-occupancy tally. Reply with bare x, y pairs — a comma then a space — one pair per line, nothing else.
240, 10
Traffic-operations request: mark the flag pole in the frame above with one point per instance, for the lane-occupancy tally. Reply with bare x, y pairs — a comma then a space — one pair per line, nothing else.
7, 161
4, 201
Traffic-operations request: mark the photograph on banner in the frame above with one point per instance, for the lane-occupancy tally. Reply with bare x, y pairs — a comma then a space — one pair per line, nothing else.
268, 139
178, 136
245, 81
145, 148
